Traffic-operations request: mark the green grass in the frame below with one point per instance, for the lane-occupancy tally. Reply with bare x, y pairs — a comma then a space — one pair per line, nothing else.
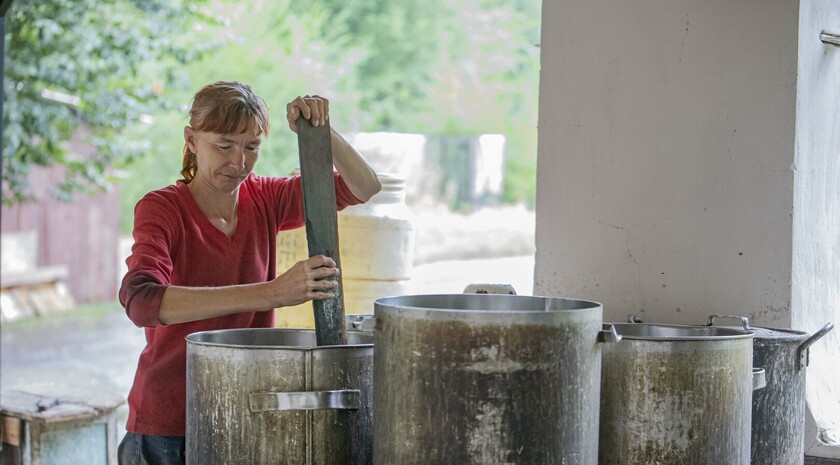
85, 315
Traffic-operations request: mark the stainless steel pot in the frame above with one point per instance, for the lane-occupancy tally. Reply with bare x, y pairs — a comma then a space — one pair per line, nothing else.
487, 379
677, 395
778, 410
267, 396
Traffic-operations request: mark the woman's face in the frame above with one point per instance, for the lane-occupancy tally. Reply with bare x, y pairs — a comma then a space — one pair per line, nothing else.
224, 160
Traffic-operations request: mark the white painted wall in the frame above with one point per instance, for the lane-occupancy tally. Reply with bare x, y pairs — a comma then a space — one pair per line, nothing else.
664, 183
667, 142
816, 215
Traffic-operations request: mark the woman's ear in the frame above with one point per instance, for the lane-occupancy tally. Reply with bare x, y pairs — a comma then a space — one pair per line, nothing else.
189, 139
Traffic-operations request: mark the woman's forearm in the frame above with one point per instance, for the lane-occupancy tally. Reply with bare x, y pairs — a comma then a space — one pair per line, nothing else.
359, 176
310, 279
184, 304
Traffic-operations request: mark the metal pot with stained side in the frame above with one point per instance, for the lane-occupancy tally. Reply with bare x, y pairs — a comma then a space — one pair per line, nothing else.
677, 395
487, 378
778, 410
267, 396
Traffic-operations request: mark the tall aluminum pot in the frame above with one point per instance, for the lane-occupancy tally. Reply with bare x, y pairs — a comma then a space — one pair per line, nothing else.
486, 379
677, 395
778, 410
268, 396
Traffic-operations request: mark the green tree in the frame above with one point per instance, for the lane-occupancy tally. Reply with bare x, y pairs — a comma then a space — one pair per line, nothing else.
73, 65
422, 66
396, 45
488, 83
437, 67
276, 50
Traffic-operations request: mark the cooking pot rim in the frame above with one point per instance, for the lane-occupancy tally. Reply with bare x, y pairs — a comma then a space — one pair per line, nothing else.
768, 335
667, 332
201, 338
443, 303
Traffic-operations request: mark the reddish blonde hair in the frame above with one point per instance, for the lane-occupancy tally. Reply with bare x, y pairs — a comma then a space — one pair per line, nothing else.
224, 107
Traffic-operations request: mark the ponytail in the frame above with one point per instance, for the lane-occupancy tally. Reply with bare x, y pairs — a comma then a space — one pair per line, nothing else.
190, 165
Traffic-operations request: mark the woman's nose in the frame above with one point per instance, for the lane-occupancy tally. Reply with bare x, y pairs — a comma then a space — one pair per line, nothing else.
237, 158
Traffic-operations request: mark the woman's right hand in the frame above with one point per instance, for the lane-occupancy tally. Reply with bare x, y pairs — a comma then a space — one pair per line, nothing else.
307, 280
314, 108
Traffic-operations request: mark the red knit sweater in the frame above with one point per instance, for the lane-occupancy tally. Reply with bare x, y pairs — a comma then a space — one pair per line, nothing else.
175, 243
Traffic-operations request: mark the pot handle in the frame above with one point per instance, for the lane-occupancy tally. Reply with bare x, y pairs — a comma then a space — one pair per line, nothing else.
608, 334
759, 378
489, 288
359, 322
802, 350
745, 322
347, 399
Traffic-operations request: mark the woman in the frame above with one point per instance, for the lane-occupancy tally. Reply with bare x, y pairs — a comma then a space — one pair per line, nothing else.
204, 253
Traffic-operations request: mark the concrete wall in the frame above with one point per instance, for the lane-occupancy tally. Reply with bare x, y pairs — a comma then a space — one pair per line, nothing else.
816, 215
669, 146
666, 142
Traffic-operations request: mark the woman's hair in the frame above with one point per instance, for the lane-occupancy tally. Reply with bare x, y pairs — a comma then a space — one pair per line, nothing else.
224, 107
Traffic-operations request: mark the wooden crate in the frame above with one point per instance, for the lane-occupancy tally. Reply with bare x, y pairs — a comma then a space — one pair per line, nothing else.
27, 289
42, 430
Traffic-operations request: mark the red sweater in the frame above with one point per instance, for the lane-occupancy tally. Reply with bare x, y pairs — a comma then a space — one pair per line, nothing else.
175, 243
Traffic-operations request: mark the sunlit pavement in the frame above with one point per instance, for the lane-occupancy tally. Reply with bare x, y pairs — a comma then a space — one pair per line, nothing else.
451, 277
101, 356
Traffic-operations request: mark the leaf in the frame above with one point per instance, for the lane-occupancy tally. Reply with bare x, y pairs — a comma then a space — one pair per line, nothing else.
71, 65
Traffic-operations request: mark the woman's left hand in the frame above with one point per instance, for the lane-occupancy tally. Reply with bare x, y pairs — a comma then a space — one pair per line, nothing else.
314, 108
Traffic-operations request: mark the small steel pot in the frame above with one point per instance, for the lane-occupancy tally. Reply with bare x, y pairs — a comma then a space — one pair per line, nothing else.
778, 410
267, 396
677, 395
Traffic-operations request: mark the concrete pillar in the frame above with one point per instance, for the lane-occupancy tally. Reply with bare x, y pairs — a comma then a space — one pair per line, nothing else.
671, 157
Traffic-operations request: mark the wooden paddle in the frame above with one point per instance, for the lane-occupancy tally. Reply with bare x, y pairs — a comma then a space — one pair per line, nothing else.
316, 171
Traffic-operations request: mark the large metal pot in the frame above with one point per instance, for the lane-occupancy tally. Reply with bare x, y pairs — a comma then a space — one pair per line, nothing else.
677, 395
267, 396
486, 379
778, 410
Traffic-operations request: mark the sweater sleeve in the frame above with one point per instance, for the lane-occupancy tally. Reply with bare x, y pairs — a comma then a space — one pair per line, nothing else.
150, 262
343, 197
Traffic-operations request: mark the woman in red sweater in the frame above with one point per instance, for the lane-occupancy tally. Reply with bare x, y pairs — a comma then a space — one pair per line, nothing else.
204, 253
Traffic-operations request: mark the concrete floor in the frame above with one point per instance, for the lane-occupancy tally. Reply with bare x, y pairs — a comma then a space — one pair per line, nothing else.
99, 354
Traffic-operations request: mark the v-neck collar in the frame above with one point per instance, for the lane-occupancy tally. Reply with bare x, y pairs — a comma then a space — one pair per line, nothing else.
205, 222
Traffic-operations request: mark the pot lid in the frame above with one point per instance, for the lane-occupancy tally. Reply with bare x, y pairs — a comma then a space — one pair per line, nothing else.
780, 335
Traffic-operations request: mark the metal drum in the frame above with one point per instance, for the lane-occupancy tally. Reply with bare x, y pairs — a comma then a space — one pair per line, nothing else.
778, 410
677, 395
268, 396
486, 379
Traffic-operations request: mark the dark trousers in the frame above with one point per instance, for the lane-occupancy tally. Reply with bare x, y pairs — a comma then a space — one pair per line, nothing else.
141, 449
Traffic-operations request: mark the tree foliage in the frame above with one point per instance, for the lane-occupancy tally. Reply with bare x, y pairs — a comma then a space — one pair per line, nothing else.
72, 65
397, 45
422, 66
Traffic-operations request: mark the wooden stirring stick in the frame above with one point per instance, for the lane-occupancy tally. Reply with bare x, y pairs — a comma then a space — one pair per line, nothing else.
316, 170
